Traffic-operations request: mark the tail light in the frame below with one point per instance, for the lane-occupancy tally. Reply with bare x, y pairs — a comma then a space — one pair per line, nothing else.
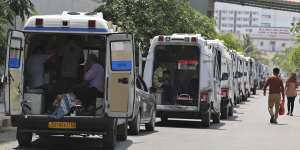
161, 38
193, 39
92, 23
204, 96
224, 92
39, 22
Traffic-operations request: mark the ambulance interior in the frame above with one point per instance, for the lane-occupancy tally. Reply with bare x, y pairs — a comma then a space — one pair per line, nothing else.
176, 74
40, 97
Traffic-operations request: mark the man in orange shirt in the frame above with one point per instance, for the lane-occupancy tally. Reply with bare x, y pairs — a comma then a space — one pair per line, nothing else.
276, 90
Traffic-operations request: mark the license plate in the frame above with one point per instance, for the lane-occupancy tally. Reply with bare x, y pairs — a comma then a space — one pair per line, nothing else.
62, 125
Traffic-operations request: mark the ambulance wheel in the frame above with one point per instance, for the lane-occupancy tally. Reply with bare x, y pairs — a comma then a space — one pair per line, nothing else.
110, 138
206, 119
151, 125
216, 117
254, 91
122, 132
225, 113
134, 126
24, 138
230, 112
163, 118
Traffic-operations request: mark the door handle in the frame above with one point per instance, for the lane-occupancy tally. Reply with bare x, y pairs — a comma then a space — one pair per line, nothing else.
123, 80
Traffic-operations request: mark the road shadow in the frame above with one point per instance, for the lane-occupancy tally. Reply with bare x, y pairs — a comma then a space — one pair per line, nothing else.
72, 143
145, 133
189, 124
234, 118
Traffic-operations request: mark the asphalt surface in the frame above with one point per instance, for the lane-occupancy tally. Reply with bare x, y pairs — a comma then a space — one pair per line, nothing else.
248, 129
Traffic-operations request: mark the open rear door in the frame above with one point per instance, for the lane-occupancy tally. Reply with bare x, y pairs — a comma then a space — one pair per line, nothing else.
121, 74
13, 78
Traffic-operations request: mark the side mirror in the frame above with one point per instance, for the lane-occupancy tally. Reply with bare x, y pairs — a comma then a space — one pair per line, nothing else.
225, 76
152, 90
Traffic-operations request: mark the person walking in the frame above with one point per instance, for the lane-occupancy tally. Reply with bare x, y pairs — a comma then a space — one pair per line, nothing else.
276, 88
291, 92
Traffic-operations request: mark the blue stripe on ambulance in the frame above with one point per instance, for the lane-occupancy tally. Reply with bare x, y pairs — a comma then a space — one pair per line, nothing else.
64, 29
121, 65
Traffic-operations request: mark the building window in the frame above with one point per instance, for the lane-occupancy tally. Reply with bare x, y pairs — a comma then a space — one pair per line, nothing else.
224, 11
246, 19
283, 45
266, 24
273, 43
255, 13
261, 43
249, 30
224, 18
231, 12
266, 16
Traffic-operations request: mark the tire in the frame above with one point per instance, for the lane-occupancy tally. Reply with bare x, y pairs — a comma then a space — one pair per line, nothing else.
109, 139
163, 118
24, 138
134, 127
151, 125
122, 132
216, 117
225, 113
230, 112
206, 119
254, 91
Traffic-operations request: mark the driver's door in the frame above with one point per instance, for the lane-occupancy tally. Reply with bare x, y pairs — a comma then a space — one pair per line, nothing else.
13, 78
121, 75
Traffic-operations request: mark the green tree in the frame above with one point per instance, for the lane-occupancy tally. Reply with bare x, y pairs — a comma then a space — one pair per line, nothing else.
231, 41
148, 18
9, 9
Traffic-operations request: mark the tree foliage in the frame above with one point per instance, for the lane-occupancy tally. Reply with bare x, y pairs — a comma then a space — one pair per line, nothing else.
9, 9
231, 41
148, 18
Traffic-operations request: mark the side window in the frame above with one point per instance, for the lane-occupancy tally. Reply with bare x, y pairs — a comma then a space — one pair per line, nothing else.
15, 53
121, 55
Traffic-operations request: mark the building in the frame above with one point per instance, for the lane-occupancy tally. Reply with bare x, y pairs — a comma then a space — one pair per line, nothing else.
270, 39
269, 29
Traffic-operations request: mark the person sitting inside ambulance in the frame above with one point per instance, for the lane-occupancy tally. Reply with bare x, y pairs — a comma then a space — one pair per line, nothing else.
35, 68
93, 83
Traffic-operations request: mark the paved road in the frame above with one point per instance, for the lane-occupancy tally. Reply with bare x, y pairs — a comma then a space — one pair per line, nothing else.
249, 129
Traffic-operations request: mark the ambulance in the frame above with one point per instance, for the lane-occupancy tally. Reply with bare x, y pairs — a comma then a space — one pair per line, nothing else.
184, 73
227, 95
29, 106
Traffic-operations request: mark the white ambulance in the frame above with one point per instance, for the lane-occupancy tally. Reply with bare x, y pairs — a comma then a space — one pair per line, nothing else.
185, 75
227, 93
49, 35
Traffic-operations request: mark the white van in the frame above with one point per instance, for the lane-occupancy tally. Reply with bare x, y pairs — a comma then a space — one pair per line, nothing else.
227, 93
186, 76
242, 76
247, 76
48, 35
236, 77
